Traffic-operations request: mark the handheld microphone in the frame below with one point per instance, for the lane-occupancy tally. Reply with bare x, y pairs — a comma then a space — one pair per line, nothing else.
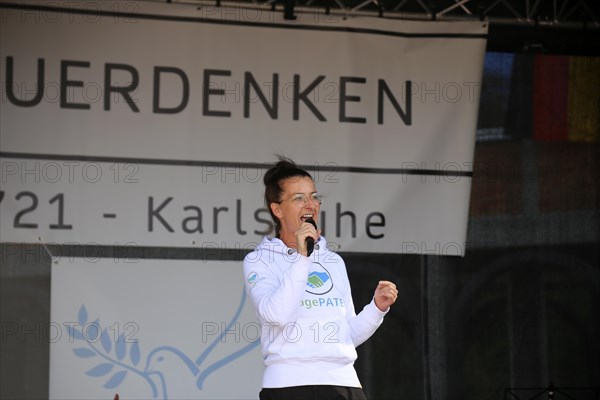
310, 242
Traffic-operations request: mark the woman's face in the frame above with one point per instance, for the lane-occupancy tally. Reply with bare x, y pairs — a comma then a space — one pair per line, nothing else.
296, 204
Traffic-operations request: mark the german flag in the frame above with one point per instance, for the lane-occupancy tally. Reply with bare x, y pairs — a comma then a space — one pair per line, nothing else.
554, 99
566, 98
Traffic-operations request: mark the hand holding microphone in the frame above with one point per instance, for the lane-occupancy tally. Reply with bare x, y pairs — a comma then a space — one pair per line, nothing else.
310, 241
306, 236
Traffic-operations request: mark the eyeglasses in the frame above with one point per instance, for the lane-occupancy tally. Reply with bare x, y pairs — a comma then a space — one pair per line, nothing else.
300, 199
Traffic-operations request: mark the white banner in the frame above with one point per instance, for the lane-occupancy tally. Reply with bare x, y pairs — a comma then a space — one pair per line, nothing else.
146, 123
148, 329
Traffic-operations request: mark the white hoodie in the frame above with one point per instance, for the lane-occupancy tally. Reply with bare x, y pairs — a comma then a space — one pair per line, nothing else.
304, 306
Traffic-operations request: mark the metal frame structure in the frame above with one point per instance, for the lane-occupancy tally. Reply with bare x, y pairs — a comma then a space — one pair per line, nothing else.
520, 26
557, 13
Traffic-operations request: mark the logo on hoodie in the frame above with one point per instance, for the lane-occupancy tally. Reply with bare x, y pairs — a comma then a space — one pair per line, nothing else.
252, 278
319, 280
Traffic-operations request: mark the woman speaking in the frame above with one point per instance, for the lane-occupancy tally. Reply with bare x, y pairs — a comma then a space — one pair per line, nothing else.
301, 294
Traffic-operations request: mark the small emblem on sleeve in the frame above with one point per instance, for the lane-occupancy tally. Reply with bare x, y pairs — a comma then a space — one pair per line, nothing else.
252, 278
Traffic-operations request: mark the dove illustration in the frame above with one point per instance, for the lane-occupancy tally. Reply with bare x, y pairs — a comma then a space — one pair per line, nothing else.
169, 372
176, 376
173, 372
224, 361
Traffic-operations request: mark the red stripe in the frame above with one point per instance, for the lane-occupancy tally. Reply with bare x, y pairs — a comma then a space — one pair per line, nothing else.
550, 97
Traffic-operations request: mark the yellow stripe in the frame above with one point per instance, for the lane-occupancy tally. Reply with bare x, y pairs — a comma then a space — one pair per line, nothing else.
584, 99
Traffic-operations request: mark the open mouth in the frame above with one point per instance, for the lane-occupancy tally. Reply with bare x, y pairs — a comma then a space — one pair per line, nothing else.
304, 217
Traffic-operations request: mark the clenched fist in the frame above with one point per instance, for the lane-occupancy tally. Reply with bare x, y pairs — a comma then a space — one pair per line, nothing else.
385, 295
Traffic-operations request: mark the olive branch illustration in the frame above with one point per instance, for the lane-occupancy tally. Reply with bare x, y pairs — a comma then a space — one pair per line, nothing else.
118, 360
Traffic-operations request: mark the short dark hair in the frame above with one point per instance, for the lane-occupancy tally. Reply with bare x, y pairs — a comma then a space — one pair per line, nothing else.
284, 169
